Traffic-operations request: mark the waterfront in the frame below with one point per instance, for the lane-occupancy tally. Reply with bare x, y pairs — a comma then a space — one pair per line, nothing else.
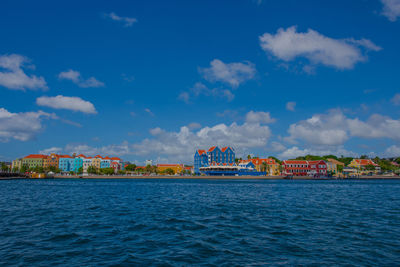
181, 222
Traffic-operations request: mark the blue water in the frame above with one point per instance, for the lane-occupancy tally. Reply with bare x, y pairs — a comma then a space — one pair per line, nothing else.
199, 222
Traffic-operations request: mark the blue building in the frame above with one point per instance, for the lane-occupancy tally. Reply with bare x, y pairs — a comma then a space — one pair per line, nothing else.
76, 164
214, 155
105, 163
65, 163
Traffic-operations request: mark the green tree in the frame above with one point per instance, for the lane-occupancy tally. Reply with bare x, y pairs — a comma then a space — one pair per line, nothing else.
107, 171
169, 171
364, 157
276, 159
339, 168
80, 170
370, 167
4, 167
92, 170
24, 169
248, 156
130, 167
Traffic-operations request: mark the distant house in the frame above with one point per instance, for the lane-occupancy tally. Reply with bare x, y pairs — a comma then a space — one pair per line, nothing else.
332, 165
361, 164
33, 160
304, 168
271, 166
177, 168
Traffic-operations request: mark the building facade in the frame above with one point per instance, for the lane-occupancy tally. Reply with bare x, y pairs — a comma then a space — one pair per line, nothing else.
33, 160
268, 165
213, 155
51, 161
16, 164
177, 168
315, 168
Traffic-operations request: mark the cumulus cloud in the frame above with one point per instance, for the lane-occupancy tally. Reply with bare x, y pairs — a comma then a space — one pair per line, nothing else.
334, 128
21, 126
67, 102
12, 75
48, 151
391, 9
392, 151
128, 21
181, 145
291, 106
396, 100
320, 129
288, 44
201, 89
232, 74
259, 117
75, 77
295, 152
112, 150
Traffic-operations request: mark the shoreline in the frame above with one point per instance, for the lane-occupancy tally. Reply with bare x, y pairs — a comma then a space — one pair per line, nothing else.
204, 177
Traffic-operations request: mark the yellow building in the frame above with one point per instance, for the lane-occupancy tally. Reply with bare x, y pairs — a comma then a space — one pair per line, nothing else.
32, 161
96, 161
332, 165
177, 168
16, 164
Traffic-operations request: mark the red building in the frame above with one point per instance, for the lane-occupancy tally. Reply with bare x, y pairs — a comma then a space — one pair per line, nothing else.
304, 168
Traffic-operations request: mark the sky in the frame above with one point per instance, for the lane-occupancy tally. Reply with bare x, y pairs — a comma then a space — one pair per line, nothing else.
159, 79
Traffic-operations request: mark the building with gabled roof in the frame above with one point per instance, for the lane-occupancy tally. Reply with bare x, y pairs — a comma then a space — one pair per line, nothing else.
214, 155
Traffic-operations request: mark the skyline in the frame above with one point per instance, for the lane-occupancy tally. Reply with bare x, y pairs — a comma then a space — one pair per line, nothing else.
158, 81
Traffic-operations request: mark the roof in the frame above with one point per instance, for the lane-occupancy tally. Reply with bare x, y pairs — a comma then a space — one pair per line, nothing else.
295, 162
364, 162
224, 148
107, 157
81, 155
65, 156
212, 149
98, 156
115, 158
201, 152
35, 156
258, 161
169, 165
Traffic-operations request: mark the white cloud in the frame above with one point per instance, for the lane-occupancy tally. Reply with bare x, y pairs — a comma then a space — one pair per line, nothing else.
230, 73
259, 117
76, 78
392, 151
291, 106
66, 102
13, 76
321, 129
334, 128
276, 146
128, 22
396, 100
288, 44
51, 150
180, 146
295, 152
111, 150
377, 126
391, 9
201, 89
149, 112
21, 126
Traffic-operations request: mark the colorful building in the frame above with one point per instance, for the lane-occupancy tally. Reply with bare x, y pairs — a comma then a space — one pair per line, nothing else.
65, 163
268, 165
361, 164
177, 168
316, 168
214, 155
33, 160
332, 166
51, 161
96, 161
16, 164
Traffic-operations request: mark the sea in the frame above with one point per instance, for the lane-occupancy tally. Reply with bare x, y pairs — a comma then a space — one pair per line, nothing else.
199, 222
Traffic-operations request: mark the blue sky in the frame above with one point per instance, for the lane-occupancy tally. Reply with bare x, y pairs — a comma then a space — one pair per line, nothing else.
159, 79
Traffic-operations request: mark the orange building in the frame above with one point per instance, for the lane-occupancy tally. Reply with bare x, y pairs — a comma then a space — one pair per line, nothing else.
177, 168
51, 161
